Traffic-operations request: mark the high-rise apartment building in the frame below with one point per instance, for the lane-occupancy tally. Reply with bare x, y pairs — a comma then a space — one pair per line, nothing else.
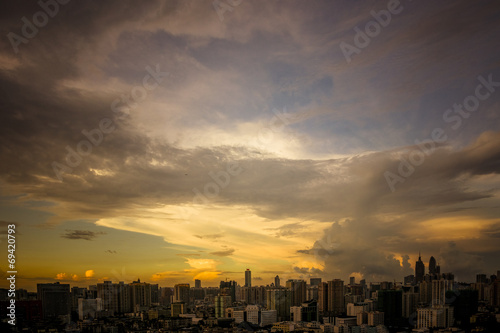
390, 302
323, 297
298, 289
279, 299
181, 293
410, 303
314, 281
336, 305
439, 289
221, 303
140, 294
55, 297
437, 316
115, 297
248, 278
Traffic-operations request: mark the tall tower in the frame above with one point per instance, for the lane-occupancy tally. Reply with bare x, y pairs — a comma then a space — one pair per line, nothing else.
432, 266
336, 297
323, 297
419, 270
277, 281
248, 278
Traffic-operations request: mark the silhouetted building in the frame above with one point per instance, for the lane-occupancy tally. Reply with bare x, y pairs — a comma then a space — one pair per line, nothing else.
481, 278
336, 304
298, 289
115, 297
323, 297
495, 293
248, 278
432, 265
182, 293
228, 288
409, 279
279, 299
221, 303
390, 303
55, 299
465, 305
314, 281
307, 311
140, 294
419, 270
277, 281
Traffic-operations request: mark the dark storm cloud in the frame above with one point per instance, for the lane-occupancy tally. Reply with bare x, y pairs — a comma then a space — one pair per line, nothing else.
81, 234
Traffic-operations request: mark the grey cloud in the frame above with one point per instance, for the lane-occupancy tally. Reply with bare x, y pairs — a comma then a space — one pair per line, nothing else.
223, 253
81, 234
210, 236
306, 272
287, 230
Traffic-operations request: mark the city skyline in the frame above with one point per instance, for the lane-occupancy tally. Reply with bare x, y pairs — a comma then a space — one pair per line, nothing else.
175, 141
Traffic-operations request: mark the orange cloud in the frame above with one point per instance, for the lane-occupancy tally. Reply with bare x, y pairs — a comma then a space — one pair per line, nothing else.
65, 276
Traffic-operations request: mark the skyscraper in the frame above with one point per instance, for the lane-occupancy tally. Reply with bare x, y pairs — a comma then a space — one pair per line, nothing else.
228, 288
197, 283
315, 281
277, 281
419, 270
336, 297
432, 266
55, 299
140, 294
279, 299
221, 303
323, 297
298, 289
181, 293
248, 278
390, 302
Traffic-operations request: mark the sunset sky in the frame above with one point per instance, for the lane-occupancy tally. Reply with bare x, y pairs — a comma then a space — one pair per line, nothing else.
179, 140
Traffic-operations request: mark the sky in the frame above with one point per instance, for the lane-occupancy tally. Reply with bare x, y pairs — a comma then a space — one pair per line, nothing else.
179, 140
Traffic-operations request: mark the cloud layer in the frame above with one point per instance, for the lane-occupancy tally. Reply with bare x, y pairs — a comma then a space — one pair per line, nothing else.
261, 147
